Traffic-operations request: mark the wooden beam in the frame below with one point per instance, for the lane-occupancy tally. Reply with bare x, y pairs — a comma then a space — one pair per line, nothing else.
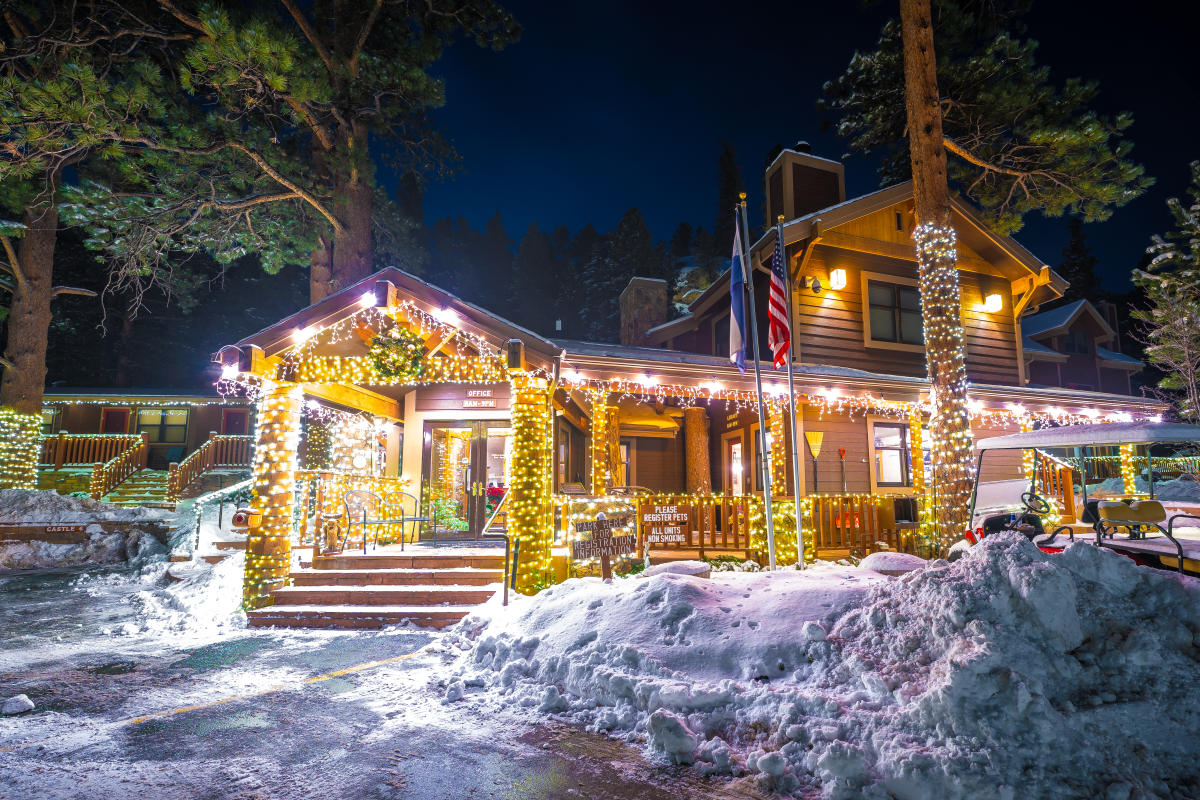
566, 404
906, 252
357, 398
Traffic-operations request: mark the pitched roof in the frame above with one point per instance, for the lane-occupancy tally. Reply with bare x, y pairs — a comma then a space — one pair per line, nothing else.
1104, 354
1056, 320
1036, 351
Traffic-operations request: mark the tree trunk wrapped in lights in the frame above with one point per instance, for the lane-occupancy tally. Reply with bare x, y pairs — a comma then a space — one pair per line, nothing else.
937, 261
777, 419
1128, 471
268, 543
530, 512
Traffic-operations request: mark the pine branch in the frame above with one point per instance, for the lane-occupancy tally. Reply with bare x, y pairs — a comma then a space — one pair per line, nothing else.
311, 35
185, 18
362, 37
57, 290
14, 264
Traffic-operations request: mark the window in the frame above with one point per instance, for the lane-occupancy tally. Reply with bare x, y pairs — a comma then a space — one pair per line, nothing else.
1076, 342
626, 476
895, 313
49, 421
163, 425
892, 459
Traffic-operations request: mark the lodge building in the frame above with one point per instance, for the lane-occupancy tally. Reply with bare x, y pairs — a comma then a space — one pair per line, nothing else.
451, 412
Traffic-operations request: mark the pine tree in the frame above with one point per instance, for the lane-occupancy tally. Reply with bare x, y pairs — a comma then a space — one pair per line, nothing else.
1171, 320
534, 271
491, 263
1078, 266
729, 190
1019, 145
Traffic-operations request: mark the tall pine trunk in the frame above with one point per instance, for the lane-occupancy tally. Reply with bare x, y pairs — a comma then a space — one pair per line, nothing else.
346, 256
937, 261
24, 378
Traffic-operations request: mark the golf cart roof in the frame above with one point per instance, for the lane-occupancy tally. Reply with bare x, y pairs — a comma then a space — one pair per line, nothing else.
1099, 434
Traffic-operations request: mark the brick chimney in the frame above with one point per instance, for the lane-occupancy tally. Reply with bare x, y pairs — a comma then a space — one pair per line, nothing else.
643, 306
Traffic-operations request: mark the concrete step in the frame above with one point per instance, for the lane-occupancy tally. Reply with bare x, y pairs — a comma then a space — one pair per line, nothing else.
179, 558
397, 577
235, 544
416, 595
355, 616
405, 561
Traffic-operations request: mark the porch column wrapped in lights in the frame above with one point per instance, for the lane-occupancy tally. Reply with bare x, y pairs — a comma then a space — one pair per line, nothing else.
1029, 454
20, 440
951, 444
530, 513
599, 448
1128, 471
277, 438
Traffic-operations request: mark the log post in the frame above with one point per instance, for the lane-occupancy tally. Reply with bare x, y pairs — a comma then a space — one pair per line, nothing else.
696, 461
268, 545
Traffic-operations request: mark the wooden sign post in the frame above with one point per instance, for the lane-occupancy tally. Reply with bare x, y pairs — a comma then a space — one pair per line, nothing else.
603, 544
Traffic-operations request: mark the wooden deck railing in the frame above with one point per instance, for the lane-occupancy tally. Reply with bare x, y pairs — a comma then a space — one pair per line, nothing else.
321, 510
217, 452
845, 524
107, 476
1055, 480
68, 449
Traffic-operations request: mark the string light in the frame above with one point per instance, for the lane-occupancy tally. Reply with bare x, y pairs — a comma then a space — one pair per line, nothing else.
20, 443
530, 511
1128, 470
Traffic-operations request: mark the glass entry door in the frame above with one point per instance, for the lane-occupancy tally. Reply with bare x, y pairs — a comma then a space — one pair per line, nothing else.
465, 473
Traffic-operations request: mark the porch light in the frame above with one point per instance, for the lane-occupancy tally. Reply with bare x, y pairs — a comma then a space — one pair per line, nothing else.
713, 387
975, 406
229, 372
647, 380
1090, 413
993, 303
446, 315
775, 390
302, 335
570, 376
837, 279
367, 300
831, 394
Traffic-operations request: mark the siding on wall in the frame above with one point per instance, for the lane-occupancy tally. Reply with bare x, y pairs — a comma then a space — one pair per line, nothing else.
829, 326
840, 431
1114, 380
999, 465
658, 463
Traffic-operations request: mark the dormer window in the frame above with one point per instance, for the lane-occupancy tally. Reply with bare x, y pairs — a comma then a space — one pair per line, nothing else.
1076, 342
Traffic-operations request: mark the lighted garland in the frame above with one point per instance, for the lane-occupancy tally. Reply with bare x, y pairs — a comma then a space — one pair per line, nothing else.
398, 355
1128, 470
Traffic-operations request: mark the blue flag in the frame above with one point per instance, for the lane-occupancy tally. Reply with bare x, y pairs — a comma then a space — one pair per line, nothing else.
737, 304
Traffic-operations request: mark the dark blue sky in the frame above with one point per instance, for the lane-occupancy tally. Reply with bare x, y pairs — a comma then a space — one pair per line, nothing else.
606, 105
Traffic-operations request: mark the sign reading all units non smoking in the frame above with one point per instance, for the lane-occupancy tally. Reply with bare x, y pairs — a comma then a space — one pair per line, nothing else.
665, 524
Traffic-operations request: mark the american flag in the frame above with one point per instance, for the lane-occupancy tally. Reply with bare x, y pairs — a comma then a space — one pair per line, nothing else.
779, 335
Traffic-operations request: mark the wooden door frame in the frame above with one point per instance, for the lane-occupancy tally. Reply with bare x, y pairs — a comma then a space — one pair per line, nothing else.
727, 462
225, 412
106, 409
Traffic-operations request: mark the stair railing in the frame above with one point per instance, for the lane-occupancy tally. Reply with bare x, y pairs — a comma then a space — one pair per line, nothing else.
220, 450
66, 449
110, 474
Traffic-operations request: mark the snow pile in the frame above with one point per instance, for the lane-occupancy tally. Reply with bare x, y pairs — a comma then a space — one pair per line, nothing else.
22, 505
890, 563
206, 600
1009, 673
139, 539
1187, 491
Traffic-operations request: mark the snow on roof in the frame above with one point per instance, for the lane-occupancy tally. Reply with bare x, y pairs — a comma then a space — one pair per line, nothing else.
1037, 348
1099, 434
1056, 318
1104, 354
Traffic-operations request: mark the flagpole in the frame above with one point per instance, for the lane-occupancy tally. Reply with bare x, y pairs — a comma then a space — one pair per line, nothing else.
744, 241
796, 465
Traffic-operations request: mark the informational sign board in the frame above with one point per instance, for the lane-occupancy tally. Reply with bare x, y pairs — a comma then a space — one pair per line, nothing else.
665, 524
603, 544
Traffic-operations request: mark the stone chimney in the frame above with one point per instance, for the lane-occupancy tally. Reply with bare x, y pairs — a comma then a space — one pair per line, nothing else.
643, 306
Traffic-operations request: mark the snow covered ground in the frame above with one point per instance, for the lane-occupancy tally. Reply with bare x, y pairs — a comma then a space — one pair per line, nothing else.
1008, 674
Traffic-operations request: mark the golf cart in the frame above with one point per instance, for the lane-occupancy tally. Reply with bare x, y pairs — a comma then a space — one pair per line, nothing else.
1137, 527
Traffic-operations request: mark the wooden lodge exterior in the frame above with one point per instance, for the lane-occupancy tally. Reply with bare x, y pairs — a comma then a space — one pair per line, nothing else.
491, 427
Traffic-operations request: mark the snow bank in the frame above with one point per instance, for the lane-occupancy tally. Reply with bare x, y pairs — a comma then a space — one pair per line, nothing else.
892, 563
1187, 491
140, 538
22, 505
1009, 673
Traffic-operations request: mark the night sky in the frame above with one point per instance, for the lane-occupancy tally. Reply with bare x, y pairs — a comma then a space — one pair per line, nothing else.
603, 106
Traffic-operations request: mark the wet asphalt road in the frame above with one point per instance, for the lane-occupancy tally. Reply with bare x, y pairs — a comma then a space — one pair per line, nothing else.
382, 732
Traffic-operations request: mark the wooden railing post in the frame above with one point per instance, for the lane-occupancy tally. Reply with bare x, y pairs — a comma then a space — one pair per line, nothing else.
60, 450
143, 454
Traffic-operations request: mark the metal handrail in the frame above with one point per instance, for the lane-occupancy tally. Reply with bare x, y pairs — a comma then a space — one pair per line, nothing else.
487, 525
508, 545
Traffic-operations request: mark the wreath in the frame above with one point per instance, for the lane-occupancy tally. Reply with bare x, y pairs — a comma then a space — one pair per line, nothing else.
398, 354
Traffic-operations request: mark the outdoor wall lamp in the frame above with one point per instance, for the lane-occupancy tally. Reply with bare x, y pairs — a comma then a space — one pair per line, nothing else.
993, 303
813, 283
837, 279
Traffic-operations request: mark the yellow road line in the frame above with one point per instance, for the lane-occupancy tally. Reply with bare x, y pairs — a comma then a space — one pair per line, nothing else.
259, 693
